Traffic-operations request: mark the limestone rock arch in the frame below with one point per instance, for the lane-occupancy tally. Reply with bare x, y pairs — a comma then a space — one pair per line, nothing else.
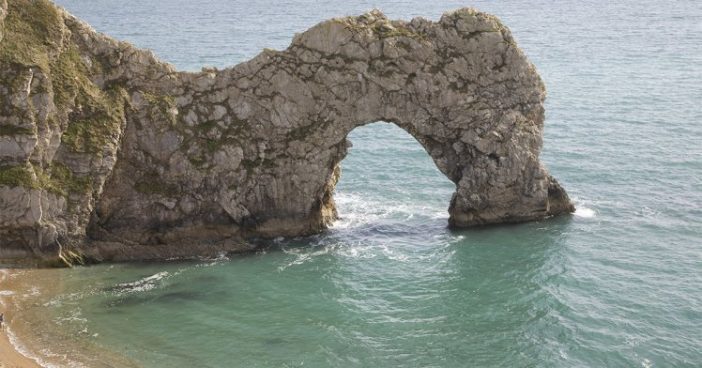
254, 150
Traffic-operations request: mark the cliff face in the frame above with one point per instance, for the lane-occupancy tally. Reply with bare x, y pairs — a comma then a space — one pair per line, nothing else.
108, 152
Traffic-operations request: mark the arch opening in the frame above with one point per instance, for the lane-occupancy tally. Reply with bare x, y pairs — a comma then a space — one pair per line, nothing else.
388, 177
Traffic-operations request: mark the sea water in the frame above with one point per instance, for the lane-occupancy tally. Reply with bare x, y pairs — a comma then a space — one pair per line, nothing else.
618, 284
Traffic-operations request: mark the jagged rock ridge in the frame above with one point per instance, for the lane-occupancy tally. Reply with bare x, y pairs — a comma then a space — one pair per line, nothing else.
108, 152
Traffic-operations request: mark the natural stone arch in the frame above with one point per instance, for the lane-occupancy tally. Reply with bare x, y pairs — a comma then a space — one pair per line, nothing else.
214, 157
461, 87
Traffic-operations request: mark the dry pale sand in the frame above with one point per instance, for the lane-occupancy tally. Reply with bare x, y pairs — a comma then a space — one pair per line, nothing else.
9, 356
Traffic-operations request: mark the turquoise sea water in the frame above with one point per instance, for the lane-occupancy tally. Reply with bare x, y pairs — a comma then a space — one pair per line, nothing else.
619, 284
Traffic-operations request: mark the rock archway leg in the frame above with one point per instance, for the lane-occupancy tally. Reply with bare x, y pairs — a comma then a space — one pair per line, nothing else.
489, 194
490, 189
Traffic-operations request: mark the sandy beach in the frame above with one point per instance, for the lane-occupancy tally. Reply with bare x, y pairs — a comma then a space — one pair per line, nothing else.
9, 356
32, 338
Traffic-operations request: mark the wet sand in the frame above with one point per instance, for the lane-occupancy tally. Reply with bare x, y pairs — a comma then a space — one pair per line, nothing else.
9, 356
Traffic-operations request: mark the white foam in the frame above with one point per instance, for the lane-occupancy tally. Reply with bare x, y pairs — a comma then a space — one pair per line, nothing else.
145, 284
21, 348
357, 251
357, 211
393, 254
302, 255
24, 351
75, 317
583, 208
209, 262
584, 212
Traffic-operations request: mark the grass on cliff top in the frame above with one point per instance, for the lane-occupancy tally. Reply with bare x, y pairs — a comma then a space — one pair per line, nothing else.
381, 28
31, 27
384, 31
99, 113
34, 38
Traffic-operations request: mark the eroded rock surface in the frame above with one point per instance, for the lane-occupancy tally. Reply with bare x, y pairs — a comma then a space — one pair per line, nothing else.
109, 152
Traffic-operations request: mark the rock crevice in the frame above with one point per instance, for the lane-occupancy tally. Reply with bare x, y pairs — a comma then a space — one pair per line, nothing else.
114, 154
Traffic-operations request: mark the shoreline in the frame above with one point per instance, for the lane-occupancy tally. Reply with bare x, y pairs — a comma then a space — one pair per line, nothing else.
11, 355
31, 337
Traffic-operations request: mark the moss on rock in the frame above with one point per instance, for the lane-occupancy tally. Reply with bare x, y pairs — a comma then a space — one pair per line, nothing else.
152, 183
18, 176
13, 130
31, 26
35, 37
57, 179
61, 180
98, 121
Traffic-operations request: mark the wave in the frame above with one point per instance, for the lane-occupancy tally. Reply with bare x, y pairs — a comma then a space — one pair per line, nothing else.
584, 212
144, 284
42, 357
213, 261
355, 210
14, 341
372, 228
582, 209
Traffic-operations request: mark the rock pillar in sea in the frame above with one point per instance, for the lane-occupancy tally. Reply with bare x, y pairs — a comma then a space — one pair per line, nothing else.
108, 152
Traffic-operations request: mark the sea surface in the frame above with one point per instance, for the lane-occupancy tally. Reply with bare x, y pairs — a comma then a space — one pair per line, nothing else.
618, 284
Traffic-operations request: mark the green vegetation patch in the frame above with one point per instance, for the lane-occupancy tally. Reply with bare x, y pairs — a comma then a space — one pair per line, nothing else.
384, 31
251, 165
6, 129
18, 176
206, 127
34, 31
98, 123
31, 27
98, 115
151, 183
66, 71
62, 181
58, 179
163, 104
87, 136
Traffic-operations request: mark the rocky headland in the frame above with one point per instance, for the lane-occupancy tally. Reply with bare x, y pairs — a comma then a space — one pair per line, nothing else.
107, 153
